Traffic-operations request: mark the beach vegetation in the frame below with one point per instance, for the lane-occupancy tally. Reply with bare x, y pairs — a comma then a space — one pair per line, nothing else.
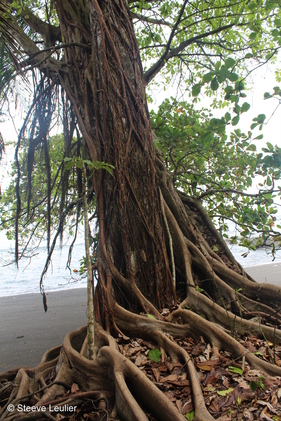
169, 294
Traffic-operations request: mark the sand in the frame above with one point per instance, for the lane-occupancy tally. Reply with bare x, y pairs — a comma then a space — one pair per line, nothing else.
26, 331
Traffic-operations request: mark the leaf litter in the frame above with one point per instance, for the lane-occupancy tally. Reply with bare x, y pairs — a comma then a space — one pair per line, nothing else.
232, 391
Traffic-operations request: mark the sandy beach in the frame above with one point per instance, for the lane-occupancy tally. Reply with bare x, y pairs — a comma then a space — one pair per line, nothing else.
26, 331
269, 273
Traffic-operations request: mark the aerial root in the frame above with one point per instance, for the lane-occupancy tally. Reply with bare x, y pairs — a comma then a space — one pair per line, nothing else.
141, 388
179, 354
228, 320
266, 293
192, 325
222, 340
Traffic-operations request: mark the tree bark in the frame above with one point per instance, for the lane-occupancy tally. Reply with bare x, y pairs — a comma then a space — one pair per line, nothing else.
108, 93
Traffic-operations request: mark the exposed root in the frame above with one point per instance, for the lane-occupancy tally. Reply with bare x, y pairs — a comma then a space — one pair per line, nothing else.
112, 380
222, 340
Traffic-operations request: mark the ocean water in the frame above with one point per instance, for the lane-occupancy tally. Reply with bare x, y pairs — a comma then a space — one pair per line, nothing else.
26, 279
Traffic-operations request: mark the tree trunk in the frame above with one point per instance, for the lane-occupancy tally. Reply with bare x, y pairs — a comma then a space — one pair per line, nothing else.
111, 103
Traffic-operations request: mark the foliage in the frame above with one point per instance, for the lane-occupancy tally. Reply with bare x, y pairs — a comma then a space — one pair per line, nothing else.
205, 34
255, 385
216, 163
77, 162
36, 212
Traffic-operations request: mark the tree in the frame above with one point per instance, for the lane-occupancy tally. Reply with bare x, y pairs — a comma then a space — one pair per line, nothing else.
157, 247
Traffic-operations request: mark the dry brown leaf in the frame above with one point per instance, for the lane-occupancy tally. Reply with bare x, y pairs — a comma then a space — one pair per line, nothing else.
268, 405
214, 405
187, 407
170, 395
264, 416
274, 398
225, 382
180, 383
156, 373
171, 366
163, 368
204, 367
135, 350
247, 415
74, 388
140, 360
179, 404
170, 378
242, 383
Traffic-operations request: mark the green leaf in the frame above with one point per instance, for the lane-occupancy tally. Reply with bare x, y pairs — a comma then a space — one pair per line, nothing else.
196, 89
253, 35
261, 118
236, 370
154, 354
252, 147
150, 316
267, 95
245, 107
235, 120
229, 62
225, 392
233, 77
190, 415
208, 77
214, 84
254, 385
227, 117
199, 289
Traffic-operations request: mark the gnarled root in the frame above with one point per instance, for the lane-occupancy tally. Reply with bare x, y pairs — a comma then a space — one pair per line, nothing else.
112, 382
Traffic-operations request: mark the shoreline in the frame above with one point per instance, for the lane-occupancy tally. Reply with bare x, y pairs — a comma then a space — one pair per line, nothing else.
27, 332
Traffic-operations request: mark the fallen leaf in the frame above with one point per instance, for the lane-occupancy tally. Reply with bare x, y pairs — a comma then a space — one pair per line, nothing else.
235, 370
170, 378
268, 405
74, 388
204, 366
264, 416
187, 407
156, 374
247, 414
140, 360
225, 392
179, 404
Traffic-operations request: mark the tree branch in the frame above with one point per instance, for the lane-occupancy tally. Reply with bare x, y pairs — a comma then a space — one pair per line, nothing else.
150, 20
50, 33
241, 193
152, 72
